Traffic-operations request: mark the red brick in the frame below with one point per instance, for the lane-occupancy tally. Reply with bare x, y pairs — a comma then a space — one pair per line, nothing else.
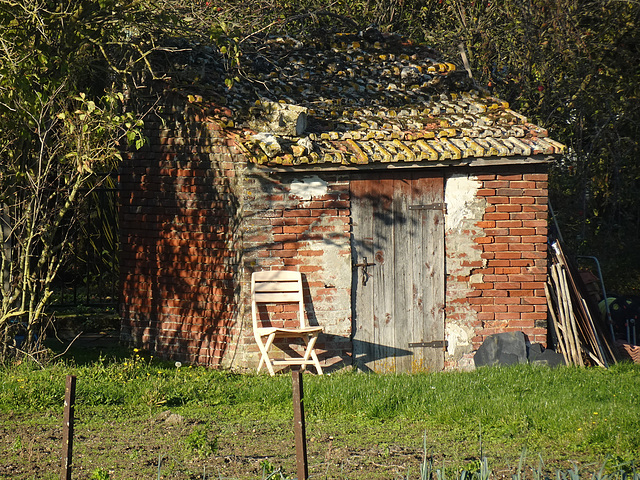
529, 278
521, 247
510, 223
497, 200
522, 231
496, 216
521, 293
482, 286
508, 271
297, 213
284, 253
508, 239
494, 308
536, 192
522, 263
509, 192
522, 184
510, 177
305, 220
495, 278
531, 300
295, 230
534, 223
521, 308
508, 255
483, 240
481, 301
535, 208
510, 301
486, 224
500, 263
496, 247
496, 184
498, 231
522, 200
535, 239
508, 207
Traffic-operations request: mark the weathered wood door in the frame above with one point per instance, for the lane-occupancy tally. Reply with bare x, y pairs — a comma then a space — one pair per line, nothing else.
398, 271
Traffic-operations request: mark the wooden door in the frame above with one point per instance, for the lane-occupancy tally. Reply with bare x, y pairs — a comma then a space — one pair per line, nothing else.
398, 271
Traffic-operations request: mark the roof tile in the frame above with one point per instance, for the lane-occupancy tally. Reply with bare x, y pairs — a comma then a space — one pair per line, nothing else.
353, 102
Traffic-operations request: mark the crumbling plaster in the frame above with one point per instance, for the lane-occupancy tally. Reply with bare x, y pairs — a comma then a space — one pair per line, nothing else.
464, 210
335, 262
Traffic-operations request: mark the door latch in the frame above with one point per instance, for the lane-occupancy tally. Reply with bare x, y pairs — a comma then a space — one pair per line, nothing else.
365, 273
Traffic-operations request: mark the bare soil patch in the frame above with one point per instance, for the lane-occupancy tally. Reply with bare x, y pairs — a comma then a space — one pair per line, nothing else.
175, 446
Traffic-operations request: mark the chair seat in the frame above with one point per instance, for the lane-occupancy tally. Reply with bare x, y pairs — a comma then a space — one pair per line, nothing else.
293, 332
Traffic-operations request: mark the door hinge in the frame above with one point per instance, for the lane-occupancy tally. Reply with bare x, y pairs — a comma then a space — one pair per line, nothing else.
429, 206
434, 344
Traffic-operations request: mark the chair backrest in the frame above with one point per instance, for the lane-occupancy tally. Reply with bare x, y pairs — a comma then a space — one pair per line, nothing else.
276, 286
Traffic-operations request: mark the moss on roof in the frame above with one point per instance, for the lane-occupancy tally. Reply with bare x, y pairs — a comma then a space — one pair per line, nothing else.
370, 99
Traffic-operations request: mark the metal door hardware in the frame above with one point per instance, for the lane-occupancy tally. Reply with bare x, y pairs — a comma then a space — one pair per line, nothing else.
434, 344
429, 206
365, 273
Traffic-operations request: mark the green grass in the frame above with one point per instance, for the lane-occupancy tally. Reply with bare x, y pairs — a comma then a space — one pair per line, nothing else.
562, 414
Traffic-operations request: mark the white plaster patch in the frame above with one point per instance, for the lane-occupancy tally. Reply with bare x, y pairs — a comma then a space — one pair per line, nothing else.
460, 197
308, 188
456, 337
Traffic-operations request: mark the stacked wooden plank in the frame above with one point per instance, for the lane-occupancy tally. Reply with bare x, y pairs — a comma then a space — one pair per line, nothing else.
577, 328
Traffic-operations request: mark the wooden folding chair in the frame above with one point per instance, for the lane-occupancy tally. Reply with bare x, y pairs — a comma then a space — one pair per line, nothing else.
282, 287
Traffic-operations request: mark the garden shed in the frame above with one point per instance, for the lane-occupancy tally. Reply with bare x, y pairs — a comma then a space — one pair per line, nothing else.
413, 202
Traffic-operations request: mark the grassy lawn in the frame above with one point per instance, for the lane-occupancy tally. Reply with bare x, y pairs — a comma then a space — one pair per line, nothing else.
139, 418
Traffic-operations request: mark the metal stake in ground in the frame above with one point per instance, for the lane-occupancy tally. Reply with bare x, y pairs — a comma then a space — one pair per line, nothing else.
67, 428
298, 424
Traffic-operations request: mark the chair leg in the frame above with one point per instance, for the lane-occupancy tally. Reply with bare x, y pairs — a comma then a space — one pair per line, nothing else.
264, 350
310, 342
316, 362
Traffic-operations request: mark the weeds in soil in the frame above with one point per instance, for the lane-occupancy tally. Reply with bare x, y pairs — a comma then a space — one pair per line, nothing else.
201, 442
100, 474
269, 471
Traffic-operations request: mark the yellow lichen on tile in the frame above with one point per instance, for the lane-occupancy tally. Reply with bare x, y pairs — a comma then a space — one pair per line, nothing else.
456, 153
409, 156
383, 152
359, 155
429, 152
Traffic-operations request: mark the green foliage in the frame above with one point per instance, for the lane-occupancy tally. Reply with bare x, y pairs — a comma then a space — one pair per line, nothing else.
201, 441
63, 123
100, 474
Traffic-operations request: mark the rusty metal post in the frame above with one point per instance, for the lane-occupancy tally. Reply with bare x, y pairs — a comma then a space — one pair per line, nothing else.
298, 424
67, 428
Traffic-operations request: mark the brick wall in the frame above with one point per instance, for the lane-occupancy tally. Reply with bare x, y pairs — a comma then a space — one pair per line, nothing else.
496, 248
509, 288
301, 222
178, 227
